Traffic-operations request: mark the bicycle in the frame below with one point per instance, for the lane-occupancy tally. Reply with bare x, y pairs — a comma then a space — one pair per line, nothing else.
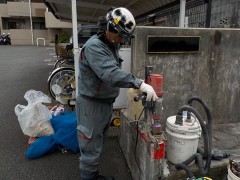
69, 62
61, 82
61, 85
66, 56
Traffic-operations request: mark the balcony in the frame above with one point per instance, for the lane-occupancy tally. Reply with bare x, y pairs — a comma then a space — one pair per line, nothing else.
3, 10
22, 9
52, 22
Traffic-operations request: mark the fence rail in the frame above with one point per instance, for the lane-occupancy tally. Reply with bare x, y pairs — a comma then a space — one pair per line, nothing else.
219, 15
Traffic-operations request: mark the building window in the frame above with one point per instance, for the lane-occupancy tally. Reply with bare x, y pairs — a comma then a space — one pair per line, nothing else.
12, 25
3, 1
39, 25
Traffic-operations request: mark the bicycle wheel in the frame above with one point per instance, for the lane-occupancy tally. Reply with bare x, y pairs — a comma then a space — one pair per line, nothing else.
63, 63
64, 78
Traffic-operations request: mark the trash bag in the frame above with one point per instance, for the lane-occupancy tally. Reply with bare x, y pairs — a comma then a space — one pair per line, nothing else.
65, 127
33, 96
34, 119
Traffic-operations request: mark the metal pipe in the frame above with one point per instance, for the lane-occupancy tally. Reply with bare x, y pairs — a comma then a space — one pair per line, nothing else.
208, 14
75, 41
30, 14
182, 13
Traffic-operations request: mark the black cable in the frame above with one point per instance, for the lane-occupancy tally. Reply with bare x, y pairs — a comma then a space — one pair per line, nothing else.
140, 115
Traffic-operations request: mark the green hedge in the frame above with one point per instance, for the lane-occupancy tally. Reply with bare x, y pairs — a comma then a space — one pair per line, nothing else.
62, 38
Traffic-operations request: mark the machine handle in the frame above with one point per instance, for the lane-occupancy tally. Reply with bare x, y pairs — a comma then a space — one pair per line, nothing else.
139, 96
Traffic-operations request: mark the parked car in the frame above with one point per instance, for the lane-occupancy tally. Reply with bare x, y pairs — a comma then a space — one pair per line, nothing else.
84, 33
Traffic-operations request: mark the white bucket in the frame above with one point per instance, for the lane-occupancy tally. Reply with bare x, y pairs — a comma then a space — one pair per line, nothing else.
182, 141
231, 176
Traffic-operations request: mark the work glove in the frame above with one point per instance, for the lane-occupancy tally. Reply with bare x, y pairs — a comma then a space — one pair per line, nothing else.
151, 95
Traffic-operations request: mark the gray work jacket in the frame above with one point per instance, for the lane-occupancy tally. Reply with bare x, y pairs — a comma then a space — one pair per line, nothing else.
100, 75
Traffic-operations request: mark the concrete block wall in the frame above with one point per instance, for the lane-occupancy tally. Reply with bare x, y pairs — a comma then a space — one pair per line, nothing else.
213, 73
225, 13
138, 152
24, 36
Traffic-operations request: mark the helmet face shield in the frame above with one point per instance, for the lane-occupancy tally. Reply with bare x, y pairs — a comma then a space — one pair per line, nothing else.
125, 35
123, 22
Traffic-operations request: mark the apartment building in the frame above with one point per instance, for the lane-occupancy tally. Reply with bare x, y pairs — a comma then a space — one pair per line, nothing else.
29, 22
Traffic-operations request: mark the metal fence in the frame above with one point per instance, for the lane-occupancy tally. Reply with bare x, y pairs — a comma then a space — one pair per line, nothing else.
169, 15
199, 14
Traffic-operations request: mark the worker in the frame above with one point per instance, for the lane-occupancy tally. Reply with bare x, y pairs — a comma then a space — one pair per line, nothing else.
99, 80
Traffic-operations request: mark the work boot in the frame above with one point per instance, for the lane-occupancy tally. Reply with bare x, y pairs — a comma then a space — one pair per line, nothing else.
99, 177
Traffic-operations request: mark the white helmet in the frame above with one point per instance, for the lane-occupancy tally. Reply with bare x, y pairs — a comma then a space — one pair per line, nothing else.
122, 21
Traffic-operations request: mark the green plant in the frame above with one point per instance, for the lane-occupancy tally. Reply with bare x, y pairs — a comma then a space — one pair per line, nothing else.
62, 38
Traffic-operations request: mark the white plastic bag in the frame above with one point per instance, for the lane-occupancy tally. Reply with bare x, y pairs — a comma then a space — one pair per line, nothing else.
34, 118
33, 96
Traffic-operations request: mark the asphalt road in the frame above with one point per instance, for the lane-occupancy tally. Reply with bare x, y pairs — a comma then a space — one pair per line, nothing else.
23, 68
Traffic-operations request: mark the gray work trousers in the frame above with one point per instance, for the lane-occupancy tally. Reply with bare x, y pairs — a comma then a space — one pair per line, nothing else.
93, 121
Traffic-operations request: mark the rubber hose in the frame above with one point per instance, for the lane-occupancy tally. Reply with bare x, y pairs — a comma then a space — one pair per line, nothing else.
199, 161
209, 125
185, 168
209, 116
198, 156
199, 150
